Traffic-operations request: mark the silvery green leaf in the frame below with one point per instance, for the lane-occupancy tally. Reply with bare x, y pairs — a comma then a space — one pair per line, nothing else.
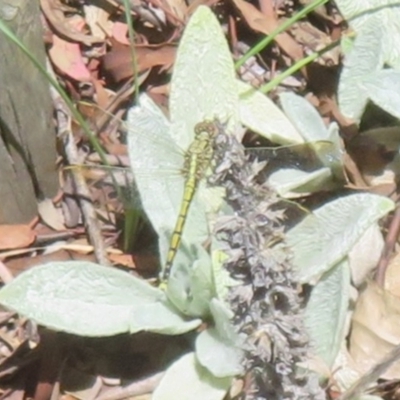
221, 277
325, 237
79, 297
222, 317
219, 349
304, 117
291, 183
221, 357
384, 15
190, 285
188, 380
333, 156
203, 84
261, 115
326, 312
365, 254
346, 44
383, 88
364, 60
160, 317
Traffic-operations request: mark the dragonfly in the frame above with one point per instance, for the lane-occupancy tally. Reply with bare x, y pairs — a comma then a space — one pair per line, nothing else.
196, 161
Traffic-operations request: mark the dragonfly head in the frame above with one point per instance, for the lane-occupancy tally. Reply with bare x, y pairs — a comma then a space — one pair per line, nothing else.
211, 128
207, 128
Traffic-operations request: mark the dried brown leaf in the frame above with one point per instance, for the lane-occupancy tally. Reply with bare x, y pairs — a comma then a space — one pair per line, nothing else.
392, 276
118, 61
98, 21
266, 24
178, 9
52, 10
16, 236
375, 329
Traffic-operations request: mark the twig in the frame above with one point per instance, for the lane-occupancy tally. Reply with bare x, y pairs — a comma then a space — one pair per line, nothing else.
83, 195
82, 190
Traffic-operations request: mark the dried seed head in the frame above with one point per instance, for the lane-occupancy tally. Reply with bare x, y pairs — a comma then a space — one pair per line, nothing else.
266, 304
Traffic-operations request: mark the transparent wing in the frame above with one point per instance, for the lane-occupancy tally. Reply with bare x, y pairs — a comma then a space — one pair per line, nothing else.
154, 167
150, 144
298, 170
306, 157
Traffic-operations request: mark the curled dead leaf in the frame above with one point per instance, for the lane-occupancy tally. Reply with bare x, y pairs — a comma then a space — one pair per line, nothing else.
52, 11
68, 59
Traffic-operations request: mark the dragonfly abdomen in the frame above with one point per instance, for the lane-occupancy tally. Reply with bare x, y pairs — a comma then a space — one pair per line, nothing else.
190, 188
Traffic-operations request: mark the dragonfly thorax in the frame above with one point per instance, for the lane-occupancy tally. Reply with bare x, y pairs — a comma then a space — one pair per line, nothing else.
198, 156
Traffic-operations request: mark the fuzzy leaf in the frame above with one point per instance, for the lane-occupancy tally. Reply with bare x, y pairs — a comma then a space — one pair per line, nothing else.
326, 236
186, 379
326, 312
160, 317
292, 183
310, 125
222, 316
385, 16
363, 61
383, 88
79, 297
262, 115
190, 285
203, 84
221, 357
221, 277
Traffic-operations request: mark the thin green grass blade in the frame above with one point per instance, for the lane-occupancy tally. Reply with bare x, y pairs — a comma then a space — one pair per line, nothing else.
133, 218
131, 32
296, 67
287, 24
